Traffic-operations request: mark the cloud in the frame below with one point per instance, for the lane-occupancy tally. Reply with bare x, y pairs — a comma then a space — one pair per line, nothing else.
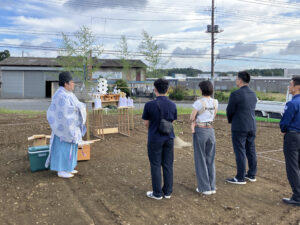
188, 51
190, 29
163, 46
239, 49
6, 4
84, 5
293, 48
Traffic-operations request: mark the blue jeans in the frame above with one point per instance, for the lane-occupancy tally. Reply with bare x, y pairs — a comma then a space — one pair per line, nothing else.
161, 154
244, 147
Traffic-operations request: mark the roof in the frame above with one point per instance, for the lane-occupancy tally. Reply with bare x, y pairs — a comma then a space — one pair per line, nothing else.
29, 61
52, 62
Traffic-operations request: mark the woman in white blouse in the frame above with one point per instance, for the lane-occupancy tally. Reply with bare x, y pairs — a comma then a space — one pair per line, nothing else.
204, 141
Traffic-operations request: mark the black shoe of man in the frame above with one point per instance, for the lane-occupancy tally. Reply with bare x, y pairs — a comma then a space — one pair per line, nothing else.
290, 201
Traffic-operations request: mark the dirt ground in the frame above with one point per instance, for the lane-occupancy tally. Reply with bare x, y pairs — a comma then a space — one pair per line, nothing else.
111, 187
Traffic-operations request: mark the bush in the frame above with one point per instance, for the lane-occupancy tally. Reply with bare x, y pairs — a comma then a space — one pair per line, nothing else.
221, 96
265, 97
177, 93
122, 85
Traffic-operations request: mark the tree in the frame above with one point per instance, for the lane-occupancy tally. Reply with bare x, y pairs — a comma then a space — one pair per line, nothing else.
5, 54
79, 54
125, 57
152, 53
122, 85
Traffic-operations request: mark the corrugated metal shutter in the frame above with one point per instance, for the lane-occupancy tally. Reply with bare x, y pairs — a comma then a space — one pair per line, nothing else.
34, 84
12, 84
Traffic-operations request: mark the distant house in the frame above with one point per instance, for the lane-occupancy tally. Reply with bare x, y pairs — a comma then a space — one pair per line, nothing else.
32, 77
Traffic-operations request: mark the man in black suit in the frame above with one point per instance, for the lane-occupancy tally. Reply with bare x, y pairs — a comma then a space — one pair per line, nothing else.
241, 115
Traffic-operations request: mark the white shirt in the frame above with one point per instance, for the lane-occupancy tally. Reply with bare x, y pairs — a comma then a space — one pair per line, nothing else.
209, 113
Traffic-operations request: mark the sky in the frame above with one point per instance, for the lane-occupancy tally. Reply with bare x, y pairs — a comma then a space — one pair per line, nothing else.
260, 34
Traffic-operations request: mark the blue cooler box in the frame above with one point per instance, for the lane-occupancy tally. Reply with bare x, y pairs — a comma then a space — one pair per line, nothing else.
37, 157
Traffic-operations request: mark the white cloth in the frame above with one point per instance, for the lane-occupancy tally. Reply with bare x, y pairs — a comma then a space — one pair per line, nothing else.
66, 116
209, 113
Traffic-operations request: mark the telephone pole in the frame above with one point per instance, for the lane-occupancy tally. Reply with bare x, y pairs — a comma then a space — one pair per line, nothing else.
213, 29
212, 40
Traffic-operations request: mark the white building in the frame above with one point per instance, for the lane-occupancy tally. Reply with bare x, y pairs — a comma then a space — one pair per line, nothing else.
291, 72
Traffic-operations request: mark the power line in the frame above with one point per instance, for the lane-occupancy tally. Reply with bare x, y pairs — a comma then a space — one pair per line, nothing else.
262, 2
106, 36
173, 55
221, 41
255, 18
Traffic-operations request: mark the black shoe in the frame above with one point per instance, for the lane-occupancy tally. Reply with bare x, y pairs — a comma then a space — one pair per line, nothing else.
235, 181
250, 178
290, 201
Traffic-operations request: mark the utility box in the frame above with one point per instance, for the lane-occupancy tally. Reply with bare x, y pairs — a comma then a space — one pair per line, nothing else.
37, 157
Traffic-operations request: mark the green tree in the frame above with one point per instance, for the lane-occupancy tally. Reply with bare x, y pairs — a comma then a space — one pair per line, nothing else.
122, 85
152, 52
125, 57
5, 54
77, 53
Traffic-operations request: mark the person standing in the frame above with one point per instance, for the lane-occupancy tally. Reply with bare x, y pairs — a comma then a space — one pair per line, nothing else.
241, 114
204, 141
290, 126
160, 146
66, 116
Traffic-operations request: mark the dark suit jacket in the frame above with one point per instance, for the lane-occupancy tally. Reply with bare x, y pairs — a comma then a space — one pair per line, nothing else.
241, 110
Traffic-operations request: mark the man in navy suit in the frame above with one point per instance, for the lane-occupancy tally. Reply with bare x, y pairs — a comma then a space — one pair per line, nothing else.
241, 115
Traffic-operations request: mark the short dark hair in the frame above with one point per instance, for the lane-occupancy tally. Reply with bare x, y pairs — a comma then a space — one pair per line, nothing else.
64, 77
296, 80
244, 76
206, 88
161, 85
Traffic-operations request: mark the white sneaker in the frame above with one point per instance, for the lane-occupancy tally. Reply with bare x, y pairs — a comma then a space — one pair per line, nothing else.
213, 192
167, 196
74, 172
204, 192
150, 195
64, 174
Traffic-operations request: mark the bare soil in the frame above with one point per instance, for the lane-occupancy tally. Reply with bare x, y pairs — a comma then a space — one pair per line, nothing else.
111, 187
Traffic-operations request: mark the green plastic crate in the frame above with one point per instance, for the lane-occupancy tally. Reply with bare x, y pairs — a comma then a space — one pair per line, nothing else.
37, 157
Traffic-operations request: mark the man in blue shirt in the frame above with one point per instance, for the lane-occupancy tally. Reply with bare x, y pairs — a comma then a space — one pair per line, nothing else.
160, 146
290, 126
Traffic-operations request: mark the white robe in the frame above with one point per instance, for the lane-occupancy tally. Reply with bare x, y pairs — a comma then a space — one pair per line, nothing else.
66, 116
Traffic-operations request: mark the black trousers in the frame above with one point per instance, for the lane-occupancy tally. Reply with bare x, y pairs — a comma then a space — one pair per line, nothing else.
161, 155
291, 149
244, 148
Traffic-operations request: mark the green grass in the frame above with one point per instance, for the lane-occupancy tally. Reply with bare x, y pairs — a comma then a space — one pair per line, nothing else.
224, 95
180, 111
269, 120
24, 112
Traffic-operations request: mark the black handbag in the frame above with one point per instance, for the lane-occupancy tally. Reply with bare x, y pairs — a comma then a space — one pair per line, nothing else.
165, 127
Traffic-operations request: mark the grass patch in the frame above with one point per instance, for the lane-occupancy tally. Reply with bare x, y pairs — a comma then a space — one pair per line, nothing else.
269, 120
23, 112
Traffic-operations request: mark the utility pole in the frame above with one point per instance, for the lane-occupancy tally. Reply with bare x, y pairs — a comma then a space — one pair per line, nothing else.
213, 29
212, 40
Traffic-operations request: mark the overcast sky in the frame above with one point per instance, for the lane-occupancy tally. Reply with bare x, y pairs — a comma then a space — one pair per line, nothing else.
256, 33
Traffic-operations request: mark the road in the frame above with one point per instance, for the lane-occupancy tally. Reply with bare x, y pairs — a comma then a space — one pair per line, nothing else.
43, 104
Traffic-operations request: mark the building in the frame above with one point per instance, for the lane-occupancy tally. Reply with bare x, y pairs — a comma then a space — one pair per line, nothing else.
179, 76
31, 77
291, 72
